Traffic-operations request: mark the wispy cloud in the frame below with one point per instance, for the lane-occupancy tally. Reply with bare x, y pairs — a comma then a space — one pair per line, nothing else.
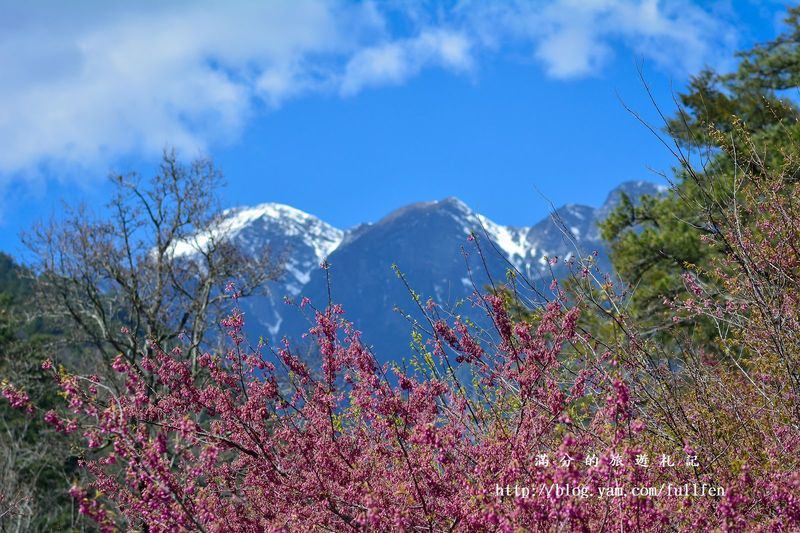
83, 86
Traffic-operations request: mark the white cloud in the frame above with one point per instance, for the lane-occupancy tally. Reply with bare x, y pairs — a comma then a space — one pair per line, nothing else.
576, 38
396, 61
84, 84
85, 87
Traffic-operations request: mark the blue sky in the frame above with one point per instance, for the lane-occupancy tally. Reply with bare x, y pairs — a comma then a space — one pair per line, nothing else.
349, 110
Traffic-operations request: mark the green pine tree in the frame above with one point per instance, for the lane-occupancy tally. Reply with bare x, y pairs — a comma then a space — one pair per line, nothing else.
728, 125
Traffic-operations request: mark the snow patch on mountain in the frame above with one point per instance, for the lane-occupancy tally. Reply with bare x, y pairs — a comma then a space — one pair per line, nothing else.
304, 238
512, 241
321, 237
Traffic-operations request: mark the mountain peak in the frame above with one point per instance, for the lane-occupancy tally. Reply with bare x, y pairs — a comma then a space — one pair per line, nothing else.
453, 202
239, 217
635, 189
259, 225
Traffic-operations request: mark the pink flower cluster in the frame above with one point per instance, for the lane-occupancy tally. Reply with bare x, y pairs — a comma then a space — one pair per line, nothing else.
17, 398
258, 440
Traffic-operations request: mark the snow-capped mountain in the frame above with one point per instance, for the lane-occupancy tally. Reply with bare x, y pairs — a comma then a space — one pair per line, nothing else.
298, 240
301, 239
426, 241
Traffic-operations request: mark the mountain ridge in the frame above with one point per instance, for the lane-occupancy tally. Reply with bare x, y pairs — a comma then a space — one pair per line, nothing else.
426, 240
